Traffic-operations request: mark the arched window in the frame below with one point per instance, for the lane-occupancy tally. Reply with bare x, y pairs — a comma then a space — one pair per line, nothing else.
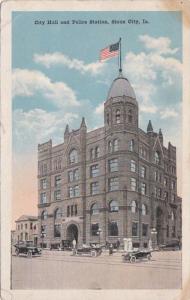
172, 216
115, 145
133, 206
94, 209
110, 148
92, 153
117, 116
157, 158
130, 116
144, 210
97, 152
131, 145
113, 206
113, 229
44, 215
73, 156
58, 214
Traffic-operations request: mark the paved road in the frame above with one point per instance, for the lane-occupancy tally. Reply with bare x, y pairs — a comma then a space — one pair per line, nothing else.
61, 270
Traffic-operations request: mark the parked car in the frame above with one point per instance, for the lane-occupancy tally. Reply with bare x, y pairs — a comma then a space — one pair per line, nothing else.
27, 248
93, 250
133, 256
66, 245
172, 245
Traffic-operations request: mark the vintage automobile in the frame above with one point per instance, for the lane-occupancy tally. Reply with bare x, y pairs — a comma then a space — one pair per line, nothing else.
133, 256
93, 250
27, 248
66, 245
172, 245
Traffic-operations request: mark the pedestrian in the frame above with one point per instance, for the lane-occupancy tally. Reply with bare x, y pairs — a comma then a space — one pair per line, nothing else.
74, 246
118, 244
110, 249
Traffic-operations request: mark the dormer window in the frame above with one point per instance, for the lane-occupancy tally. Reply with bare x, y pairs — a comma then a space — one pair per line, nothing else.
117, 116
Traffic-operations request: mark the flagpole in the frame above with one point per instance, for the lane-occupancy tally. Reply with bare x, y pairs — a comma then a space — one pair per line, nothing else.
120, 68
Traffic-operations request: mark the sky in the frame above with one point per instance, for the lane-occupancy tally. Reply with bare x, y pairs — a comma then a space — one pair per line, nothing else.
57, 78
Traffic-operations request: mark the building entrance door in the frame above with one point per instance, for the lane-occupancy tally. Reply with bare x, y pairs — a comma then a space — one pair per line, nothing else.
72, 232
159, 226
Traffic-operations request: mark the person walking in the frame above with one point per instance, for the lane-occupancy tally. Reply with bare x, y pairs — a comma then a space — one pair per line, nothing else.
111, 249
118, 244
74, 246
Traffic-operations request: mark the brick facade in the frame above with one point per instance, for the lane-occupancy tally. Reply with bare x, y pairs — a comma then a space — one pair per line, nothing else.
110, 183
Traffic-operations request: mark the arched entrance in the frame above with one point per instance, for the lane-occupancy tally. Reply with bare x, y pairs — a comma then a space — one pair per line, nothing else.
159, 225
72, 232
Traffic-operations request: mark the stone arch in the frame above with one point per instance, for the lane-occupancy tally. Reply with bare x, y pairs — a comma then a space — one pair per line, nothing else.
72, 231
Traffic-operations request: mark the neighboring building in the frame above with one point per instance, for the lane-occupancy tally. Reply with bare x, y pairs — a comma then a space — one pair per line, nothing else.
26, 229
114, 182
13, 237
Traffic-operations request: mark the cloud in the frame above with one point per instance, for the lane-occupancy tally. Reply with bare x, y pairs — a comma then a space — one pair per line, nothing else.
168, 113
150, 72
57, 58
100, 109
161, 45
37, 126
28, 82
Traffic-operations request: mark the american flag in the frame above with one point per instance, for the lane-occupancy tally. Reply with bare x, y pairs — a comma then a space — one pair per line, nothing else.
110, 51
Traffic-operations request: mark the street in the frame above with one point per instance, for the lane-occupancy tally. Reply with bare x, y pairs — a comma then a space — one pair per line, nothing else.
62, 270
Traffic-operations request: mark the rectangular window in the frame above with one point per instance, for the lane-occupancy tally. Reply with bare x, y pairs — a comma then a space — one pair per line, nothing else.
43, 183
57, 195
155, 191
133, 184
57, 180
173, 232
113, 184
43, 229
43, 198
94, 229
76, 174
173, 197
159, 193
134, 229
113, 229
72, 210
173, 185
143, 188
155, 175
25, 226
133, 166
74, 191
165, 181
68, 211
144, 229
30, 225
57, 230
113, 165
94, 188
165, 195
70, 176
143, 172
94, 171
75, 210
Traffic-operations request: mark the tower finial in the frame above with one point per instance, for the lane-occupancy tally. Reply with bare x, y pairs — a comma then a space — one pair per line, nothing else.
149, 127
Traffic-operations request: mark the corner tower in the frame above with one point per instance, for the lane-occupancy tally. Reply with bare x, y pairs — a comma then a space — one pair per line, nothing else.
121, 107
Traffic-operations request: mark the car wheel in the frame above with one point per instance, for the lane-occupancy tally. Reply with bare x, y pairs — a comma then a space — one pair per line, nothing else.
93, 253
133, 259
29, 253
149, 256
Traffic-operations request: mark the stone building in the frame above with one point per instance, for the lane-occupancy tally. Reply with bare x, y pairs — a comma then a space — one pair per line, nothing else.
26, 229
114, 182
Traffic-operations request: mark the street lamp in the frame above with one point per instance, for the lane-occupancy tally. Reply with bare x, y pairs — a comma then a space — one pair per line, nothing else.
99, 232
43, 234
154, 238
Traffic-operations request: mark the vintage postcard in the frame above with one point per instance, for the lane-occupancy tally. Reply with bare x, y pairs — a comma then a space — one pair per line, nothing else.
95, 149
